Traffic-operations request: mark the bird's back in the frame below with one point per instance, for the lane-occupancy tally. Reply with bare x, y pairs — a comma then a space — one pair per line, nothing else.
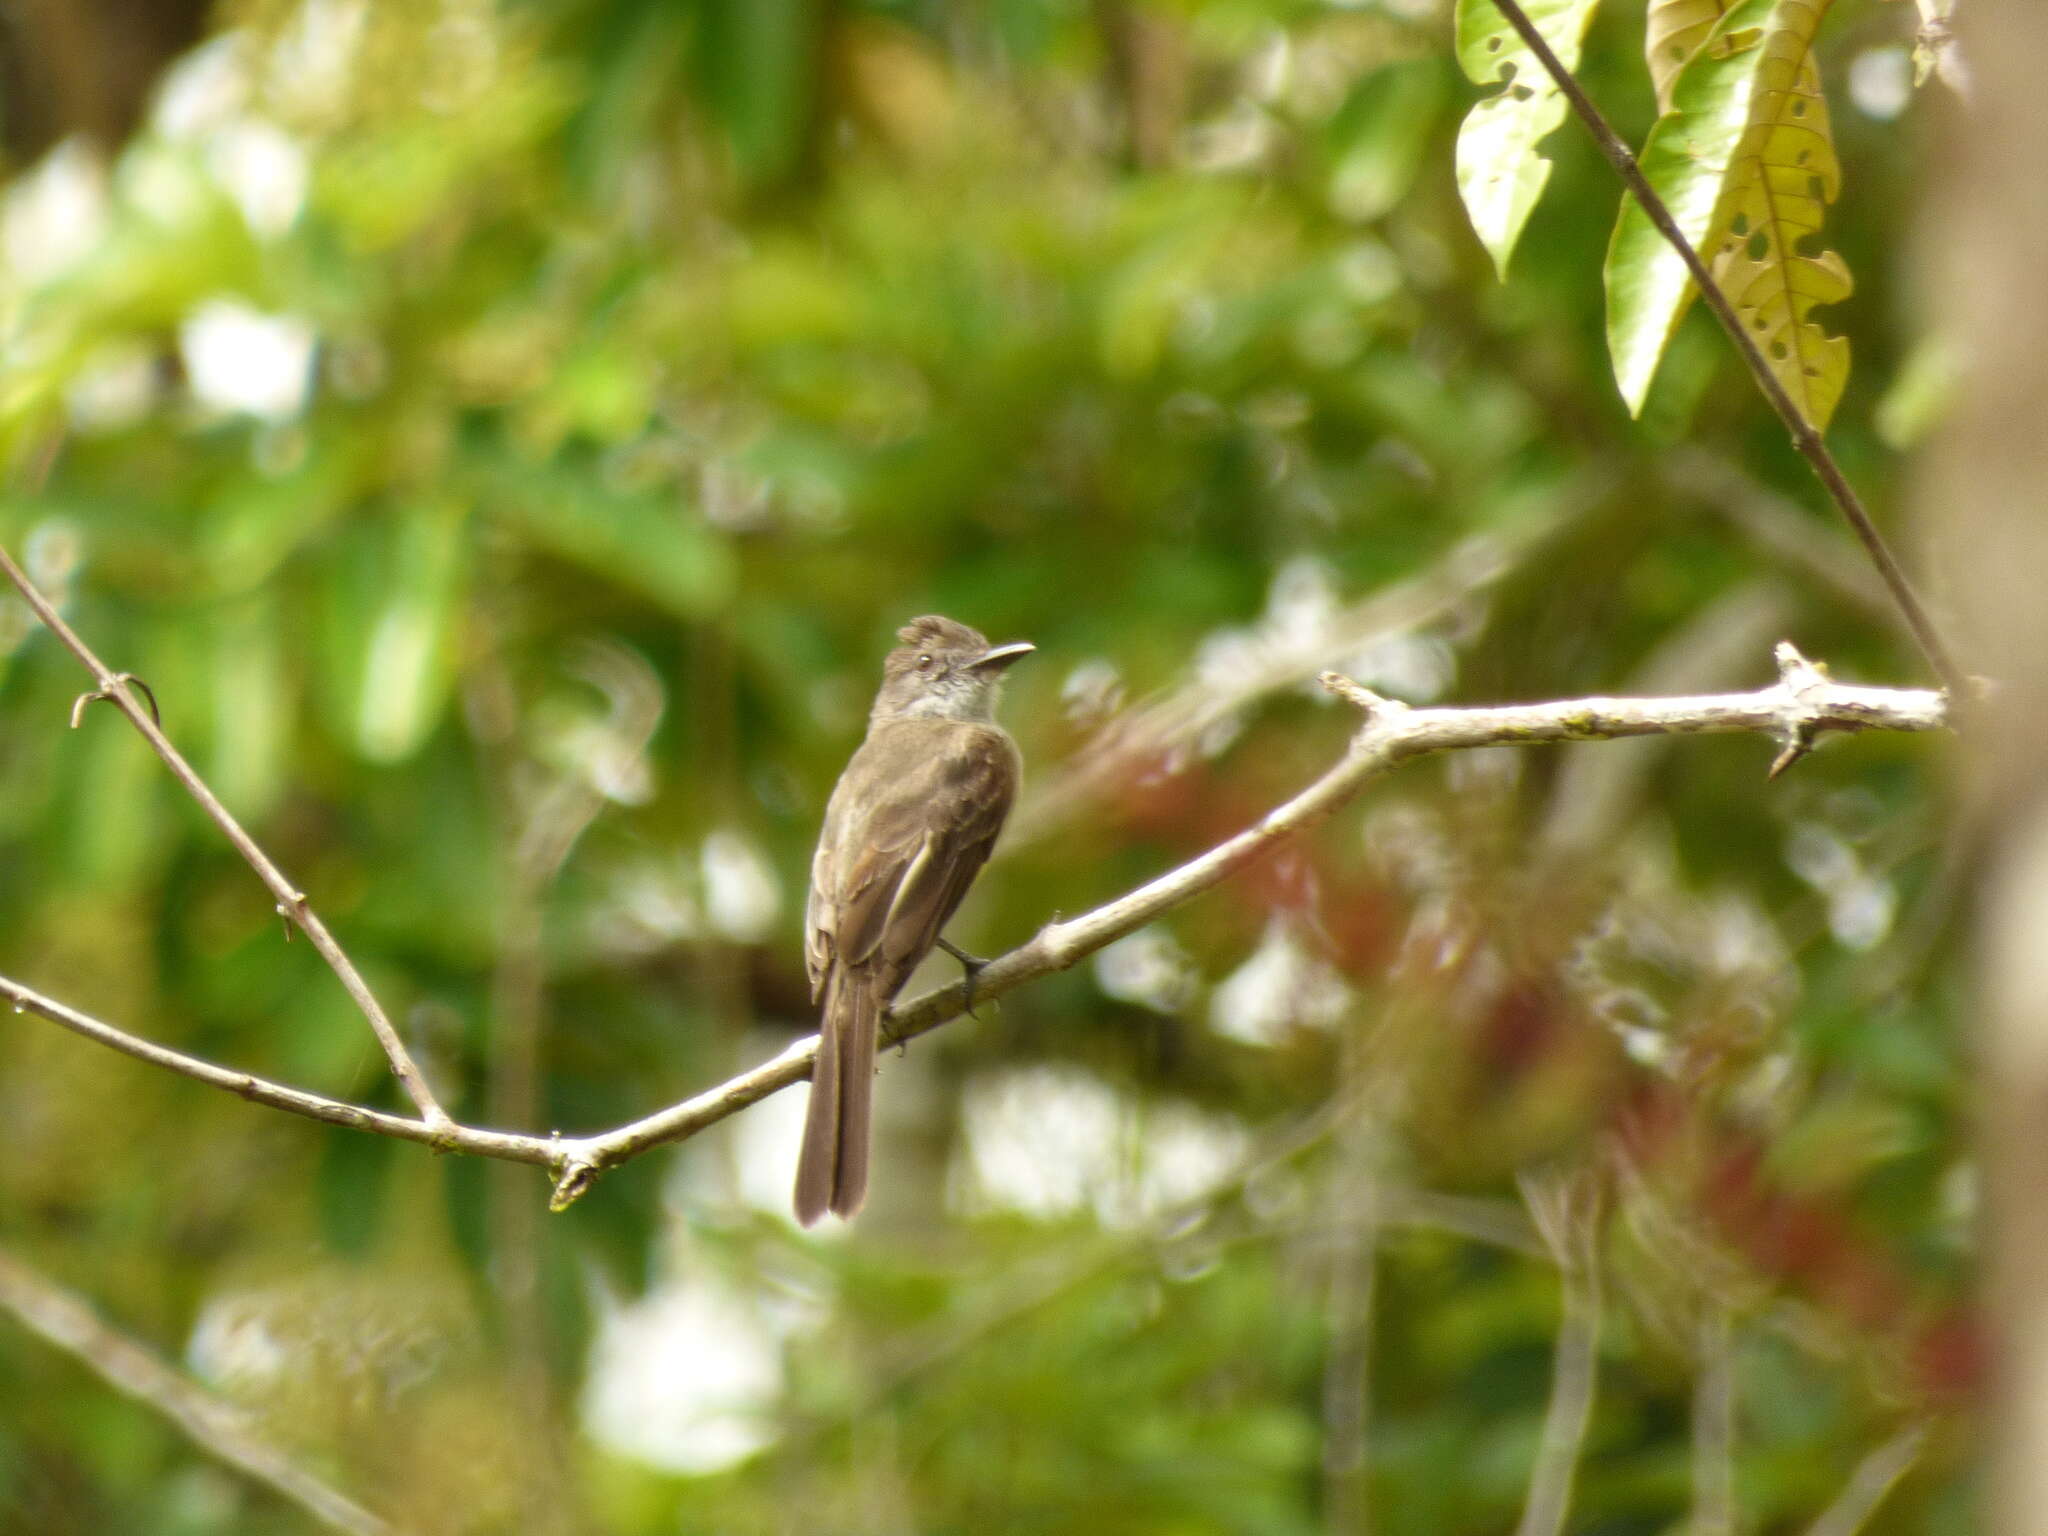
911, 823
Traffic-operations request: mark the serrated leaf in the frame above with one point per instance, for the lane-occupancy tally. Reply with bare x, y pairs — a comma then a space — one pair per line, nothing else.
1784, 176
1500, 174
1746, 140
1673, 32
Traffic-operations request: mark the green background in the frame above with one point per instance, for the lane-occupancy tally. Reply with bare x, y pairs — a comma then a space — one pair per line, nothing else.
674, 354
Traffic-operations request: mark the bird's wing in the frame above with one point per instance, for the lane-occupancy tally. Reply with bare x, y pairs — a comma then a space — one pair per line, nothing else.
911, 856
820, 914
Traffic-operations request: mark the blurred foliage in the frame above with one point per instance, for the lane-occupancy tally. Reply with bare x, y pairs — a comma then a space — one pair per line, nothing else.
426, 392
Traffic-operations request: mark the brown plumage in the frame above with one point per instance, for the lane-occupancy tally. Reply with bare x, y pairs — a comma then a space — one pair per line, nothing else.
909, 825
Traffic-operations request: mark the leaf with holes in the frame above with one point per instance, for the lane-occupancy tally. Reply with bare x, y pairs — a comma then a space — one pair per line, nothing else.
1500, 174
1673, 33
1764, 252
1746, 163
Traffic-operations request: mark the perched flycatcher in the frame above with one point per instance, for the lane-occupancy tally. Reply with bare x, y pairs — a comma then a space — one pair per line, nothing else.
908, 827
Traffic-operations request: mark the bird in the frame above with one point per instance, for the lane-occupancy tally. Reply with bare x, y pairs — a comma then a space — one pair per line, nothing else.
908, 827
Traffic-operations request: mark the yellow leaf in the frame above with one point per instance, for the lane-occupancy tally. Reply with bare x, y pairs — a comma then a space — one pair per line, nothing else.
1673, 32
1764, 251
1745, 161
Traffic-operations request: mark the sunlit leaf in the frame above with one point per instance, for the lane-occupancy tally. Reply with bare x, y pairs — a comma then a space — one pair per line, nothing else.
1934, 46
1500, 174
1765, 254
1673, 31
1686, 158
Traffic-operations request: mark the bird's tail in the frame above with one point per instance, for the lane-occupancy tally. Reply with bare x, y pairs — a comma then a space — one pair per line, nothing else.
832, 1169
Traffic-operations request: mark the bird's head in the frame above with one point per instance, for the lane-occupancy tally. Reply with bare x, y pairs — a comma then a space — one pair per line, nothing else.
944, 670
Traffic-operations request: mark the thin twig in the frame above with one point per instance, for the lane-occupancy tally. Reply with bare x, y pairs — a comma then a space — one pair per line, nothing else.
120, 689
259, 1090
1805, 436
916, 1351
1874, 1478
1777, 524
1475, 1218
218, 1427
1351, 1293
1713, 1428
1567, 1212
543, 829
1797, 710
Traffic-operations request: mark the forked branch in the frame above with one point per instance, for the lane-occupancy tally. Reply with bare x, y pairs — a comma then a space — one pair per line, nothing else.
120, 689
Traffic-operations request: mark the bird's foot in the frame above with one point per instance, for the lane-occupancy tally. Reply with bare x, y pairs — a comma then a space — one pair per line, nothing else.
973, 965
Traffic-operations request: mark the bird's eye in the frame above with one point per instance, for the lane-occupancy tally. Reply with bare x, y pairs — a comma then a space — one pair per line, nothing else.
924, 663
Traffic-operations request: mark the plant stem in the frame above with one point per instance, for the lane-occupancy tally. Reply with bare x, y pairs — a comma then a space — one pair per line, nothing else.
1805, 436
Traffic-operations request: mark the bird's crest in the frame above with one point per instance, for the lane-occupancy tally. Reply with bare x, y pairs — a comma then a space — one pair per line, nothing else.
932, 633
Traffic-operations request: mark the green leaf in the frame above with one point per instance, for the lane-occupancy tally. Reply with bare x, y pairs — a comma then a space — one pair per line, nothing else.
410, 662
1673, 32
1745, 161
249, 756
1686, 160
755, 64
1500, 174
1838, 1138
352, 1190
1922, 390
1378, 139
649, 543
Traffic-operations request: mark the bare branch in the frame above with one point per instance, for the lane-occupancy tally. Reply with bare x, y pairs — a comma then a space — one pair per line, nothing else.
258, 1090
1805, 436
1802, 706
1594, 793
218, 1427
1498, 1223
120, 690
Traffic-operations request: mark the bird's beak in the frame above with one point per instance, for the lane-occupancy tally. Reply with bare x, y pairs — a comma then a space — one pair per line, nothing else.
997, 657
